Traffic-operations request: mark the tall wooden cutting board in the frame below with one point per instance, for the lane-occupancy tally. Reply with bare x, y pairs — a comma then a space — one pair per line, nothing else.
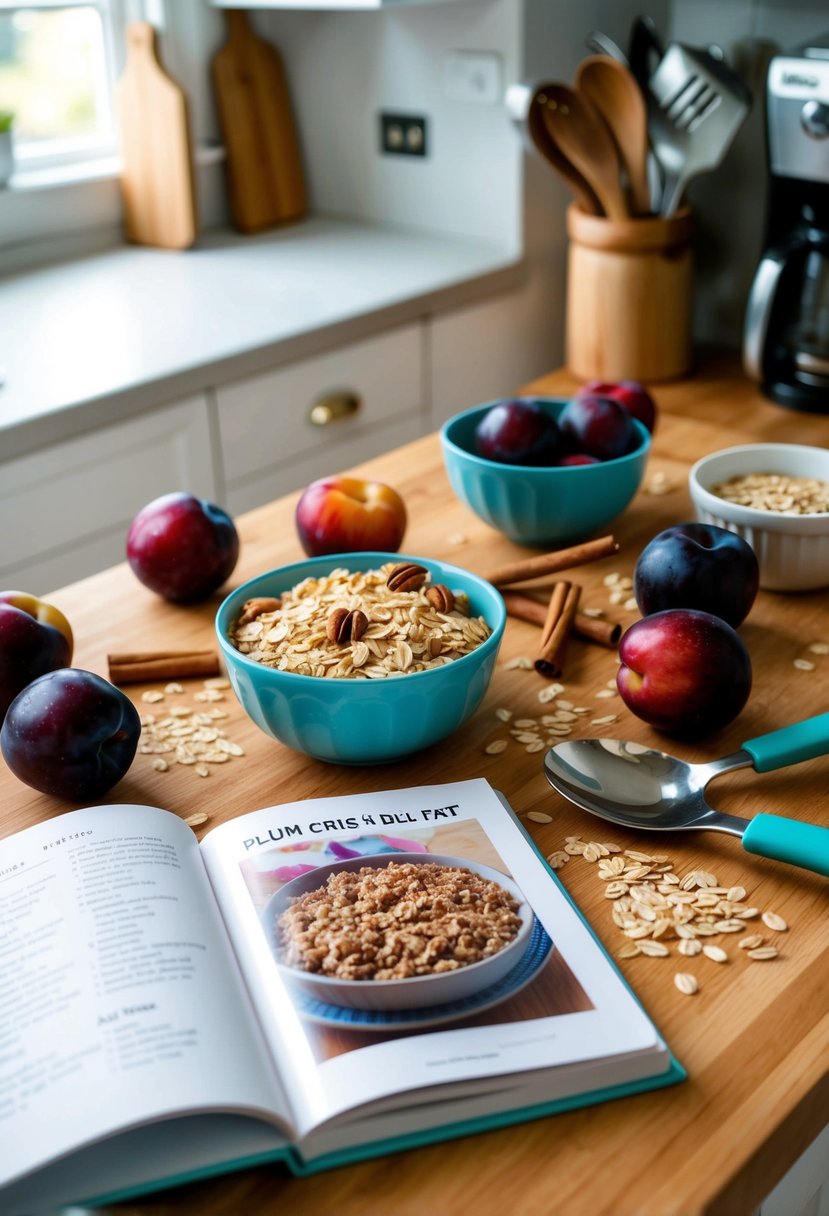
265, 178
157, 180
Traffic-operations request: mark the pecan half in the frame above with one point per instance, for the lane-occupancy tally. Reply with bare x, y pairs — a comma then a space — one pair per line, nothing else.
440, 597
408, 576
251, 609
346, 625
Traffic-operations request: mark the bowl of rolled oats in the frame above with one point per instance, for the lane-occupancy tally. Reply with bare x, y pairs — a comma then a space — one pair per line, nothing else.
397, 930
776, 496
361, 658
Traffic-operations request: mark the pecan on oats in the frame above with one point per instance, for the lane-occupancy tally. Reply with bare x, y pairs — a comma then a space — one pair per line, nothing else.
440, 597
407, 576
346, 625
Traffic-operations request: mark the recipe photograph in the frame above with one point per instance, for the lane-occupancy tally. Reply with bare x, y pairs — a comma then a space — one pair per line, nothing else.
379, 935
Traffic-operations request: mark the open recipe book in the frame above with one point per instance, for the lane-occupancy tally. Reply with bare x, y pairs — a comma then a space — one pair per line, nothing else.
315, 982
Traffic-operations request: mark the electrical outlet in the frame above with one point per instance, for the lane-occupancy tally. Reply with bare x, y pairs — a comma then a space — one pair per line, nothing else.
402, 134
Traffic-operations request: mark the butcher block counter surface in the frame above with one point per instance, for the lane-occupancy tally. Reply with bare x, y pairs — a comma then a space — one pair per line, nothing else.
754, 1039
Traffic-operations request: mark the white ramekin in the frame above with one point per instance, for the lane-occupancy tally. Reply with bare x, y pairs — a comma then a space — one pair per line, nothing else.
792, 550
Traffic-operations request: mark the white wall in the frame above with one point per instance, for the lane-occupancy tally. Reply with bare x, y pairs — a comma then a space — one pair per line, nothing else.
345, 67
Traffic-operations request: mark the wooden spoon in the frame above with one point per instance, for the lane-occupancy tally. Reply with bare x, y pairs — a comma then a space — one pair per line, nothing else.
579, 132
550, 151
615, 94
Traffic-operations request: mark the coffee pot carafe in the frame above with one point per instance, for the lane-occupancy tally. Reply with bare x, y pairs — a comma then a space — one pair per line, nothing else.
786, 339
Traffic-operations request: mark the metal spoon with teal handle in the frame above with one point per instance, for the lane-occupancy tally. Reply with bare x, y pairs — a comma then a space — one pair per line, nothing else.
640, 787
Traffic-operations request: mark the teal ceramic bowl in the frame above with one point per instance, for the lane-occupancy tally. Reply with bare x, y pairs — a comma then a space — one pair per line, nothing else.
540, 506
350, 721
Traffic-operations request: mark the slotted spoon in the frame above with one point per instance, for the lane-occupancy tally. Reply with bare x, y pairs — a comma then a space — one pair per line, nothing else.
696, 105
640, 787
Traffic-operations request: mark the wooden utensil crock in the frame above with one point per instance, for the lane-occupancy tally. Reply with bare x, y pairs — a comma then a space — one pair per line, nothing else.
629, 287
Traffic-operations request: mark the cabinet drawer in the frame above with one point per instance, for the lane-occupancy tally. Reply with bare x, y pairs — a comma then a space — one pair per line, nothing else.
65, 510
264, 420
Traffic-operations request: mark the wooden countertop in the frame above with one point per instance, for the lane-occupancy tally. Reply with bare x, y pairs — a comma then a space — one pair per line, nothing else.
754, 1039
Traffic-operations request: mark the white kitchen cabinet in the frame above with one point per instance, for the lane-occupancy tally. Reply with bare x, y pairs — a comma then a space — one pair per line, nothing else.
269, 443
65, 509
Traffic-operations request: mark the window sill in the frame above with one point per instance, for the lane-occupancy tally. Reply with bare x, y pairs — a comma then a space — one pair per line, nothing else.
101, 169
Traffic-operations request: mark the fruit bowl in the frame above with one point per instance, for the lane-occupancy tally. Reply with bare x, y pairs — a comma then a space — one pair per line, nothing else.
792, 550
540, 505
362, 721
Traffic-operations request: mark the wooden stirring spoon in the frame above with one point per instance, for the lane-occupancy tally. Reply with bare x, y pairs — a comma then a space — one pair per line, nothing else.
550, 151
579, 132
612, 89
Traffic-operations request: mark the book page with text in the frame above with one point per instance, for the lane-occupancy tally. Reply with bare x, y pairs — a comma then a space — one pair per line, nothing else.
120, 999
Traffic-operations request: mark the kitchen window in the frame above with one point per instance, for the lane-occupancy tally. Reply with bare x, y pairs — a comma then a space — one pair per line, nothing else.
59, 62
57, 68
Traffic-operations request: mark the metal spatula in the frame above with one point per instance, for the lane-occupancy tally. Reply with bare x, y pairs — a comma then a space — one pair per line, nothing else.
696, 105
640, 787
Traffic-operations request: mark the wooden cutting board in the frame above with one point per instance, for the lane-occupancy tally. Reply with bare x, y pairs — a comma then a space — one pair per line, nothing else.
157, 180
265, 177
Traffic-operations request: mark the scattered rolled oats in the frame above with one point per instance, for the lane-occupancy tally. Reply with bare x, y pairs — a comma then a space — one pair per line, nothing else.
751, 941
539, 817
196, 819
522, 663
762, 953
558, 859
686, 983
715, 953
152, 695
772, 921
503, 714
819, 648
803, 664
496, 747
689, 946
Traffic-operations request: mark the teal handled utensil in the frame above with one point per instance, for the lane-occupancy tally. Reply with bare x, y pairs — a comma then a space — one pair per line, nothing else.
640, 787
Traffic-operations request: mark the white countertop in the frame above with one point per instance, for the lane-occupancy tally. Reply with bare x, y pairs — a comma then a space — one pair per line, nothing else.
93, 340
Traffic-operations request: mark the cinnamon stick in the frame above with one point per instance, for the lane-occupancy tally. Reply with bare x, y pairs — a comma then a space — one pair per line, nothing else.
592, 629
551, 563
162, 665
555, 631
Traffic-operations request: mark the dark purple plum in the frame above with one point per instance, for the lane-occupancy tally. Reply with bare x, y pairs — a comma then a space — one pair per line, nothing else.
182, 547
70, 733
35, 637
518, 432
696, 565
630, 393
599, 426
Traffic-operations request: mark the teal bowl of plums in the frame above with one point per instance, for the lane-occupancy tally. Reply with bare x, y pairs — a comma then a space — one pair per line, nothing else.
546, 470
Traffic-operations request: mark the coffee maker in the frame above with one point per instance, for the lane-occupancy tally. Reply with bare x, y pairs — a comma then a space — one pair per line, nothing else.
786, 336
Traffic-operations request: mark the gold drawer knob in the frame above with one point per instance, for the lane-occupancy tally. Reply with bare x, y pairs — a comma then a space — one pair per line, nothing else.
332, 407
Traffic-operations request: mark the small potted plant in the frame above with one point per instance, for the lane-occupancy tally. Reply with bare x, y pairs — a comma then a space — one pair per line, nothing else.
6, 153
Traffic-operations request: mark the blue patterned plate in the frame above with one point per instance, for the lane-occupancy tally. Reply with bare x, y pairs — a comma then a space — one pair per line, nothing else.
534, 958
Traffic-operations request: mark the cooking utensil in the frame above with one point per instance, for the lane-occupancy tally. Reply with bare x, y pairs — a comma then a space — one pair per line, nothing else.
640, 787
579, 132
644, 50
264, 166
695, 107
601, 44
525, 103
614, 92
157, 181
